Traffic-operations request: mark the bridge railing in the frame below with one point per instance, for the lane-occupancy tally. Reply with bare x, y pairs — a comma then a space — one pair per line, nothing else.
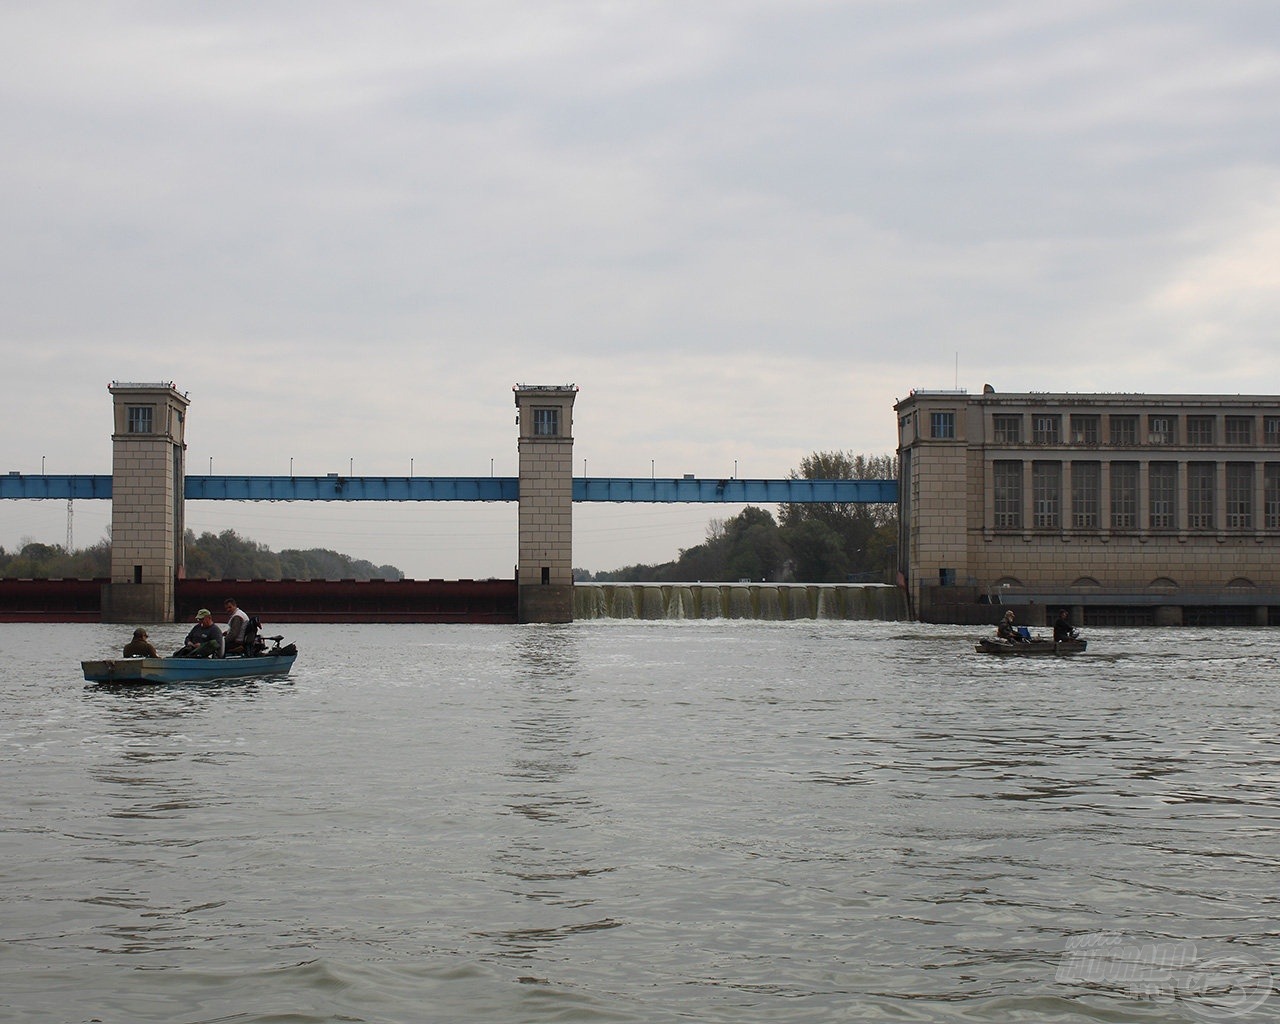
335, 487
19, 485
690, 489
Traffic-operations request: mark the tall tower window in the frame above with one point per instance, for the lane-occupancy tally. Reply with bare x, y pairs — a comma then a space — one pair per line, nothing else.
1271, 495
1124, 494
1239, 495
942, 425
1162, 485
1086, 480
1007, 486
1200, 496
546, 422
1046, 491
139, 419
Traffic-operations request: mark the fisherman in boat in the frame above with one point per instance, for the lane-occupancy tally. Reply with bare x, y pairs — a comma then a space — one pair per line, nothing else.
1062, 628
140, 646
1008, 632
204, 640
237, 621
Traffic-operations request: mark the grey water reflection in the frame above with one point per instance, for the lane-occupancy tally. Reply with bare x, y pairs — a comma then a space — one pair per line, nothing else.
547, 861
154, 771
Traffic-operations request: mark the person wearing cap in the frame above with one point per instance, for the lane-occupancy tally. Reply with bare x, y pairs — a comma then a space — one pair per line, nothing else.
204, 640
1007, 630
140, 646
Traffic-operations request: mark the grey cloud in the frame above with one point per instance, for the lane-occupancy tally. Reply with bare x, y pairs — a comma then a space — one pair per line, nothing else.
392, 212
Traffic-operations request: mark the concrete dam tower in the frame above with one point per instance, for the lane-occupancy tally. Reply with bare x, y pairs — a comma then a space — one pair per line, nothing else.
545, 566
147, 474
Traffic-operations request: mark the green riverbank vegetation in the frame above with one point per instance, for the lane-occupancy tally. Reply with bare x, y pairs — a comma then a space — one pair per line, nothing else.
834, 542
216, 556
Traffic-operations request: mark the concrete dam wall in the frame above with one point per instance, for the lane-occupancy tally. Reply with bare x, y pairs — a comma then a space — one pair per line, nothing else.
739, 601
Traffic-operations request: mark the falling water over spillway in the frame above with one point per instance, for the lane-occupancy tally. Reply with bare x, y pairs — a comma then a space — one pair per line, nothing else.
738, 601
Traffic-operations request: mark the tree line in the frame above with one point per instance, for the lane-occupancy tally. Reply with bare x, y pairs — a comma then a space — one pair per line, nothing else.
214, 556
831, 542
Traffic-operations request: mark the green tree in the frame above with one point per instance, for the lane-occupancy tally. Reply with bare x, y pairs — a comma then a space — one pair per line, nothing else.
818, 554
858, 530
755, 551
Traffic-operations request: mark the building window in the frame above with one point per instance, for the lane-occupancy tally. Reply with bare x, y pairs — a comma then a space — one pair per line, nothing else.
1271, 495
1162, 485
546, 422
1085, 478
1199, 430
1046, 493
1124, 430
140, 419
1046, 429
1271, 429
1124, 494
1007, 485
1200, 495
1239, 430
1084, 429
1007, 429
1239, 495
942, 425
1162, 430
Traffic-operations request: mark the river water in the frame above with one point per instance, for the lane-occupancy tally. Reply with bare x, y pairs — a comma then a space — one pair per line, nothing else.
645, 821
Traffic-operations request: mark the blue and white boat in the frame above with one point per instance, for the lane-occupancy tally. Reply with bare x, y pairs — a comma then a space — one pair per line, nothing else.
142, 671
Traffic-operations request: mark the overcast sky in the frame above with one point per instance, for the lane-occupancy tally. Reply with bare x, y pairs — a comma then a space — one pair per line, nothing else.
742, 228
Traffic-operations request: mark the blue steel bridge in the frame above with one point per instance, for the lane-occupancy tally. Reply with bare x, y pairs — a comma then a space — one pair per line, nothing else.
335, 487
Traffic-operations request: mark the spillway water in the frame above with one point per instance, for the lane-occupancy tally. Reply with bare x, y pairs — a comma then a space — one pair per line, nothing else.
769, 601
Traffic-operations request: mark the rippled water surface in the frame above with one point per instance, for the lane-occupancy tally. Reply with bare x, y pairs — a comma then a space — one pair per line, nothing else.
632, 821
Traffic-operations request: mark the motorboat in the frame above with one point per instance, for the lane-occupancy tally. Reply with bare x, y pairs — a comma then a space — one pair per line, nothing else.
1030, 648
276, 661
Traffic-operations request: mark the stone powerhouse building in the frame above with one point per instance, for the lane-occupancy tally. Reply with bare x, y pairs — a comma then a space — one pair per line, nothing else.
1125, 508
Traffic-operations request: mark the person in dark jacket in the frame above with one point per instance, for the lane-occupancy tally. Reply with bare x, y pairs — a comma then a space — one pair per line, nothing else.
1006, 630
204, 640
140, 646
1062, 628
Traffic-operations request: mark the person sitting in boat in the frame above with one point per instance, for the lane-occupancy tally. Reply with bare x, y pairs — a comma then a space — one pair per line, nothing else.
237, 621
140, 646
1062, 628
204, 640
1008, 631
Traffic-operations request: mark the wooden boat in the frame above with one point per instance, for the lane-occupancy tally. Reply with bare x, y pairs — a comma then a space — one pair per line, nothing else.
142, 671
1030, 648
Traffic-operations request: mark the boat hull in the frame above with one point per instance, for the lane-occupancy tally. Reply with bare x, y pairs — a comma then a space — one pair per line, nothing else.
1031, 648
141, 671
